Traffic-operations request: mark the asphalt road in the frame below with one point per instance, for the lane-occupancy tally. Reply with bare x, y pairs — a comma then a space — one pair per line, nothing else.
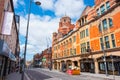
34, 75
39, 74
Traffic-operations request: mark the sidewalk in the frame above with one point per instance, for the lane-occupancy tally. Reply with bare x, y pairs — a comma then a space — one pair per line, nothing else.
13, 76
16, 76
102, 76
111, 77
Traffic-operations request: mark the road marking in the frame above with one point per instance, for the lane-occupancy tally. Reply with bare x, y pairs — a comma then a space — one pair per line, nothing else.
27, 77
53, 79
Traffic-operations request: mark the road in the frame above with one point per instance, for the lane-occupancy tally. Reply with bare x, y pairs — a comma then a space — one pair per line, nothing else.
42, 74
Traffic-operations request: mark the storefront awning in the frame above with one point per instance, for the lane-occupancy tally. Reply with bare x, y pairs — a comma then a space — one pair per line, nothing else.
5, 50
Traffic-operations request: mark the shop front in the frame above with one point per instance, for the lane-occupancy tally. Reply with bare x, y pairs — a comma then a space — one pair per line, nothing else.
7, 60
87, 65
112, 63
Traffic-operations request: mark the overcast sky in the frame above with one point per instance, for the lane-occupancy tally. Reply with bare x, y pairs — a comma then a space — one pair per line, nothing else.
44, 20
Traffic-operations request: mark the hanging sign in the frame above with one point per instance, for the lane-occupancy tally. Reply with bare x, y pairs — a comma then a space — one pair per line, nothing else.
7, 23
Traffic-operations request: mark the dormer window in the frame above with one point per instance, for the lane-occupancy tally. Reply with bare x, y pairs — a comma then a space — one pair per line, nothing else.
98, 12
102, 8
107, 5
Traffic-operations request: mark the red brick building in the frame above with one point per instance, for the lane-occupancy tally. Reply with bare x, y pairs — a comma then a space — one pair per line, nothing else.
9, 44
94, 44
43, 59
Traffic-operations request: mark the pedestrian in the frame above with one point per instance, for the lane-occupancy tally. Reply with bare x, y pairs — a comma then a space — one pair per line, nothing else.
50, 68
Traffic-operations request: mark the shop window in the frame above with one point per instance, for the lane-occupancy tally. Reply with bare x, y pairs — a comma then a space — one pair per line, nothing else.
110, 66
82, 66
101, 66
113, 40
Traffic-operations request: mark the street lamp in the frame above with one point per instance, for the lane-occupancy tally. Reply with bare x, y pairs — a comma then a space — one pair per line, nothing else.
103, 48
29, 10
104, 57
113, 69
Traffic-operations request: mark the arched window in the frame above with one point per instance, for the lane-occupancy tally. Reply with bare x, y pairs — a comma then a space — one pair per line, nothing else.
110, 22
104, 22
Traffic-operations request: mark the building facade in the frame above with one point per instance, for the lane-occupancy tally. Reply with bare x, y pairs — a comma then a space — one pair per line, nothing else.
9, 44
93, 45
44, 59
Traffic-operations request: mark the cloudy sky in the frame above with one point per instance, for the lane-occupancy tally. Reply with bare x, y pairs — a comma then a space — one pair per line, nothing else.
44, 20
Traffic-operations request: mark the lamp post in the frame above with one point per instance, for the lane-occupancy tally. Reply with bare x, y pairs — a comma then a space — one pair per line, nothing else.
103, 47
113, 69
29, 10
104, 57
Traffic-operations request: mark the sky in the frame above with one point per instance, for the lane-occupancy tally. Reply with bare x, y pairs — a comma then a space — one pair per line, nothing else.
44, 20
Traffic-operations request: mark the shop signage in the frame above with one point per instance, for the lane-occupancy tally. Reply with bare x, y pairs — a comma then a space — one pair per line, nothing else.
7, 23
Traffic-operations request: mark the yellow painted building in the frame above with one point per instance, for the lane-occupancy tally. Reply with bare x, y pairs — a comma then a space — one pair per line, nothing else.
93, 44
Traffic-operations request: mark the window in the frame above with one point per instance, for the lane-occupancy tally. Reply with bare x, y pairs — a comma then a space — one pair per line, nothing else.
82, 21
101, 43
70, 51
88, 45
67, 43
98, 12
82, 34
83, 47
82, 66
107, 5
113, 40
102, 8
67, 51
70, 40
100, 28
7, 5
74, 51
74, 38
110, 22
58, 46
104, 22
101, 66
87, 32
64, 20
110, 66
107, 42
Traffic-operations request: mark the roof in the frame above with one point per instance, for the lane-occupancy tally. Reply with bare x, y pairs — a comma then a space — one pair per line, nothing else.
84, 13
